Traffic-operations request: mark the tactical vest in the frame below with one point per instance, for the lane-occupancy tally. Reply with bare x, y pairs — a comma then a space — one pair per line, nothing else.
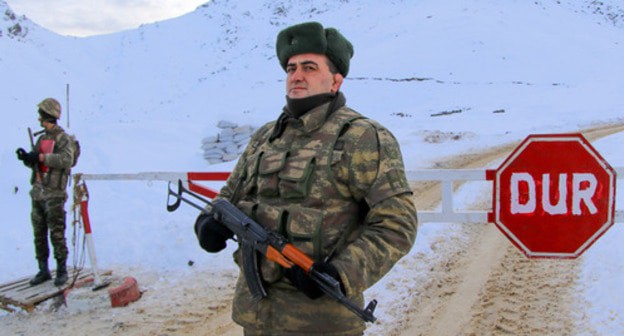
50, 182
294, 192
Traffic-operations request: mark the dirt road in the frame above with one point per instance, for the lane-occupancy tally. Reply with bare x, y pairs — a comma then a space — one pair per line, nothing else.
488, 287
479, 284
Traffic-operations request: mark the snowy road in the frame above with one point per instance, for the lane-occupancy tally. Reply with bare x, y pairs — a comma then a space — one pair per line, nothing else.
474, 283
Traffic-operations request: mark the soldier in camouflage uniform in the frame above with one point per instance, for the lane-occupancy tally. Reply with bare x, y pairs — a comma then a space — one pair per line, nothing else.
51, 160
329, 179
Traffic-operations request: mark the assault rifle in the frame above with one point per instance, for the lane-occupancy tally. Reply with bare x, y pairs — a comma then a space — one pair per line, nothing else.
254, 238
32, 136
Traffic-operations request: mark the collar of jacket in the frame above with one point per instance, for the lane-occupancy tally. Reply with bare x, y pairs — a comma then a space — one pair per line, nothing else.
316, 117
56, 129
309, 121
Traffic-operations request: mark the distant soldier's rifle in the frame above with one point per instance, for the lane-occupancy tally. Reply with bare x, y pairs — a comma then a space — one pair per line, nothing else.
32, 136
254, 238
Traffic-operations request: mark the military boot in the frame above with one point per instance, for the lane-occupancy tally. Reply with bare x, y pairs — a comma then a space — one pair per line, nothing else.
61, 274
43, 275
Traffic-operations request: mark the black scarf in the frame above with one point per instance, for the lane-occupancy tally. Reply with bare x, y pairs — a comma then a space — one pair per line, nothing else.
296, 108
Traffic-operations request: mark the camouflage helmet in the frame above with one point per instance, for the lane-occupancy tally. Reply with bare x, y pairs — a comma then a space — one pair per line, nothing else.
51, 106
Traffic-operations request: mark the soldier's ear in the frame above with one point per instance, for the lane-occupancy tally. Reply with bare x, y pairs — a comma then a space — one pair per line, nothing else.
337, 82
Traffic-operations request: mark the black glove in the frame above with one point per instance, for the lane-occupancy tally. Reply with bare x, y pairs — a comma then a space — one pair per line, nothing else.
21, 154
300, 279
29, 159
211, 234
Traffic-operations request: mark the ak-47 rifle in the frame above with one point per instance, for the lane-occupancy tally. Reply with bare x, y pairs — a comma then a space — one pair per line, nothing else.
254, 238
32, 136
32, 140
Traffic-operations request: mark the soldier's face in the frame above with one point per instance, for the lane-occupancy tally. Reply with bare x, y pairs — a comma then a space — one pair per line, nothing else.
44, 124
308, 75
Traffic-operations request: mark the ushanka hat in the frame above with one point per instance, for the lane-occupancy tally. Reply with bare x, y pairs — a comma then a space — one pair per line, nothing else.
311, 37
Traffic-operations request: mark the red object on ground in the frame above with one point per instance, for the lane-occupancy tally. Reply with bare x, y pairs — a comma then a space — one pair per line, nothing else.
127, 292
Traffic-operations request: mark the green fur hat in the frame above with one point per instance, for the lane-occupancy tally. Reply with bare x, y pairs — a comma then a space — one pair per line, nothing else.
311, 37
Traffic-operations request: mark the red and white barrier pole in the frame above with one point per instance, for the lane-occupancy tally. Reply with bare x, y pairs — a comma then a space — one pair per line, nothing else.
205, 176
86, 222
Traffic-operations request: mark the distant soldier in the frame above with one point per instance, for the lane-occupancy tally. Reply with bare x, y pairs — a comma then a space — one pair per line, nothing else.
51, 159
328, 178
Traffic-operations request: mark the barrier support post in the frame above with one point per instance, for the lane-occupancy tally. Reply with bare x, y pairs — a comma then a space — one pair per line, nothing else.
86, 222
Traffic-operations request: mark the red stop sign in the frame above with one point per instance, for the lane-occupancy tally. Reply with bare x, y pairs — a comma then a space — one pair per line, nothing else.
554, 196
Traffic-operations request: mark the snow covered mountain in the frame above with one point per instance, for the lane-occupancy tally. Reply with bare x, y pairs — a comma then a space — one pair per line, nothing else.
446, 77
166, 85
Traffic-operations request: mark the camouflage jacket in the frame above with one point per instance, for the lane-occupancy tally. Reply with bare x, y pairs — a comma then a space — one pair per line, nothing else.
52, 182
335, 185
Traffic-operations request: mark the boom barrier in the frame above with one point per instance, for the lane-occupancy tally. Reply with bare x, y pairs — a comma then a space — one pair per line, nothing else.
445, 177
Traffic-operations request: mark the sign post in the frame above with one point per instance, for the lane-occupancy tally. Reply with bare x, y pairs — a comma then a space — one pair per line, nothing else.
554, 196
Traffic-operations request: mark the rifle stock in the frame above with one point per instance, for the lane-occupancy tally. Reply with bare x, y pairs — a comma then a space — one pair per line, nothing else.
254, 239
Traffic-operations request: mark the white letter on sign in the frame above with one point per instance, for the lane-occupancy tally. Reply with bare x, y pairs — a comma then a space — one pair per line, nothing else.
529, 206
585, 195
560, 207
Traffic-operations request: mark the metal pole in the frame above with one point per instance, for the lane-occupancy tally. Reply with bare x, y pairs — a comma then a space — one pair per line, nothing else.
67, 102
90, 248
86, 222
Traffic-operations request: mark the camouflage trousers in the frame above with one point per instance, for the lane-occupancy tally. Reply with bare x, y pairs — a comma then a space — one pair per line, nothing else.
48, 215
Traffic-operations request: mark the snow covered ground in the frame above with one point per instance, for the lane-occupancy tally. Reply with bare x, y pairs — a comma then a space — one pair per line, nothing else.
142, 100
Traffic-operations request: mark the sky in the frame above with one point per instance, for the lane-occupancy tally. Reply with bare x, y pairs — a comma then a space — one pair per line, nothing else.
96, 17
501, 75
